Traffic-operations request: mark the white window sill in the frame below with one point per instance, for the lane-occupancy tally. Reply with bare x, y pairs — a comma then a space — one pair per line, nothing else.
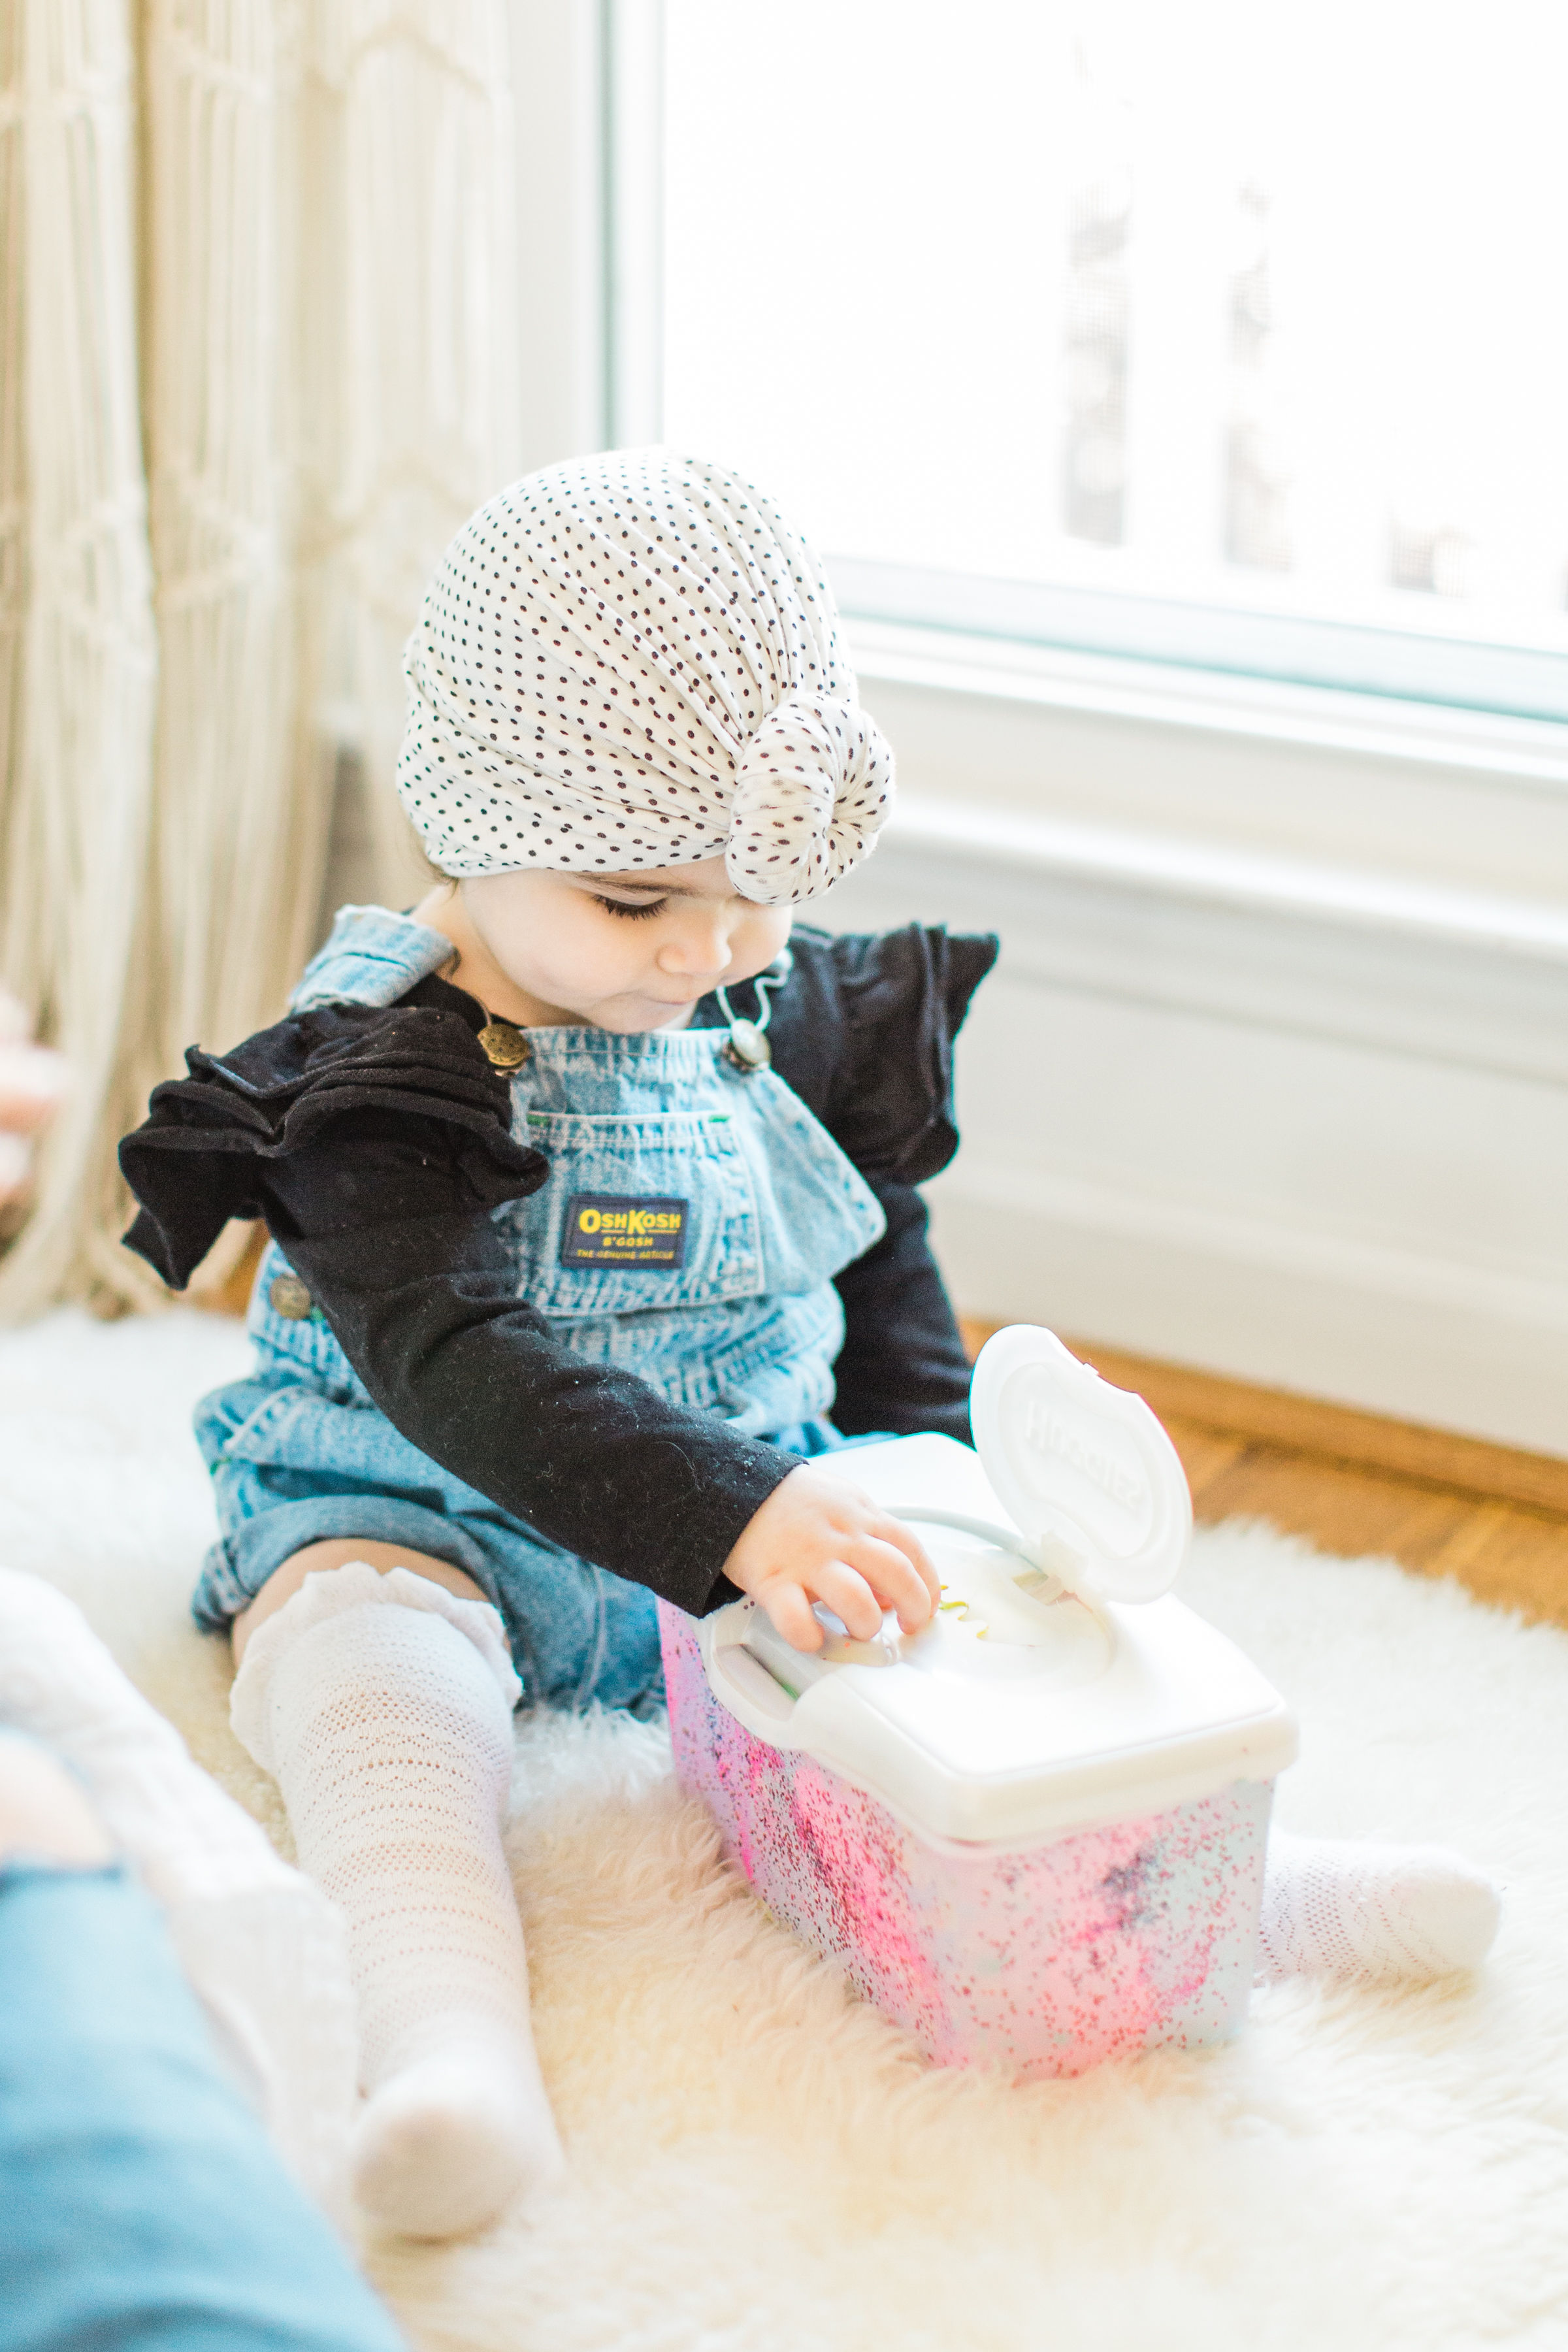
1216, 702
1415, 817
1205, 871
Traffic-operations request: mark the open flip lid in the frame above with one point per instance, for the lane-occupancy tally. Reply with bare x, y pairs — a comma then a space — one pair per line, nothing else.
1054, 1687
1088, 1475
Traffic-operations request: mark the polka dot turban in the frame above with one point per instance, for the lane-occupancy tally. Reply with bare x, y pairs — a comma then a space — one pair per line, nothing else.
633, 660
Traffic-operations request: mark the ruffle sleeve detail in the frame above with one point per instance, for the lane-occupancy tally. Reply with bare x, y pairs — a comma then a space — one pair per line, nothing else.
889, 1007
210, 1140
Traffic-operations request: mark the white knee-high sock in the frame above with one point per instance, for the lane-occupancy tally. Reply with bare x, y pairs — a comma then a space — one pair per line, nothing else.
383, 1703
1372, 1914
263, 1949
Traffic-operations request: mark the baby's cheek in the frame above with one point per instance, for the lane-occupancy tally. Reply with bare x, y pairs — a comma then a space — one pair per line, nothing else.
759, 940
593, 967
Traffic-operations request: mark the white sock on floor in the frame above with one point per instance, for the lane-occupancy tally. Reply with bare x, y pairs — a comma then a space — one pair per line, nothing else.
1372, 1914
263, 1951
384, 1706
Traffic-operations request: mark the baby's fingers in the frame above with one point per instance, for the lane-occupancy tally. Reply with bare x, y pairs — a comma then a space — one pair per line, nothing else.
849, 1596
792, 1614
904, 1539
894, 1578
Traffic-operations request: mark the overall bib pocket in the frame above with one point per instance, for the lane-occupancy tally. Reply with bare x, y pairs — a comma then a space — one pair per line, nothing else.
653, 1211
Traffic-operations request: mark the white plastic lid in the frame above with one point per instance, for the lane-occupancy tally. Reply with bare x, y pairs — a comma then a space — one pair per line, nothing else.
1085, 1470
1019, 1712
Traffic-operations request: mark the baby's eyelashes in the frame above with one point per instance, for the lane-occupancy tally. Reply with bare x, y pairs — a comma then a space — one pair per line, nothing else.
622, 907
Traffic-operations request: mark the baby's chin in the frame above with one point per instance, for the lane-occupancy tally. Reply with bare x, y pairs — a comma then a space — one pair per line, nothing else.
640, 1016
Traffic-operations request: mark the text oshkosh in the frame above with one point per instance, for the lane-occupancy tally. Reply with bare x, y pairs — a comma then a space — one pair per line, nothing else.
628, 1221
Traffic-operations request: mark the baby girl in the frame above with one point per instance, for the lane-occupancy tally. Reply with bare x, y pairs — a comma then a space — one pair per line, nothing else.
593, 1192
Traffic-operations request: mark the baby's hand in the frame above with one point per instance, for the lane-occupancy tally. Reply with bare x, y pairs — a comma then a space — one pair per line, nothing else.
819, 1538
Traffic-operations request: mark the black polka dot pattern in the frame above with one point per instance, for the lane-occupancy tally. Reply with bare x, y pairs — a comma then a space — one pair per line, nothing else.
632, 660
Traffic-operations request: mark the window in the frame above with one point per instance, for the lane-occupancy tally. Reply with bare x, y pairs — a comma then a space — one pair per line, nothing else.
1230, 335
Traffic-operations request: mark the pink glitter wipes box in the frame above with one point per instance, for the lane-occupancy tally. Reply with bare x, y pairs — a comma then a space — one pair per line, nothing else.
1033, 1833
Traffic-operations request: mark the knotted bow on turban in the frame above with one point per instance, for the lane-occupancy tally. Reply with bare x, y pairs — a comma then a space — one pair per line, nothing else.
632, 660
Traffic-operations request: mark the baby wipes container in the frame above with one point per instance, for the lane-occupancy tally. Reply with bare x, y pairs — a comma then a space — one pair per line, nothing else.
1033, 1831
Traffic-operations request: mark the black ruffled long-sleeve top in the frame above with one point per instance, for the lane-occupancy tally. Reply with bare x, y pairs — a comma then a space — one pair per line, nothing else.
376, 1142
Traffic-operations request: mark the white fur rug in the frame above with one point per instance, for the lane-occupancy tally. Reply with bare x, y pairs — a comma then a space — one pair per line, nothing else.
760, 2165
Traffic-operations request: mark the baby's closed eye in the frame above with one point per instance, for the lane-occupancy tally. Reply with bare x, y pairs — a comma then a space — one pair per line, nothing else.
622, 907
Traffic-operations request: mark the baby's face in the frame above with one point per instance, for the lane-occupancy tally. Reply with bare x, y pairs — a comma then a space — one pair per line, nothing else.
628, 952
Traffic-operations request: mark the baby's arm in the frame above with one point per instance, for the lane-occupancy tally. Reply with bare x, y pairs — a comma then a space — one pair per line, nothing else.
428, 1313
820, 1538
384, 1219
902, 1367
374, 1145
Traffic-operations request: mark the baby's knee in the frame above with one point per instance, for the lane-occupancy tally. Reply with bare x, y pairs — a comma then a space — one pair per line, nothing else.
359, 1645
338, 1552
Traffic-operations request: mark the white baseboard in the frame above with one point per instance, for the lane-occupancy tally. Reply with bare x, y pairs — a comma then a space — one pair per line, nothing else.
1414, 1338
1288, 1141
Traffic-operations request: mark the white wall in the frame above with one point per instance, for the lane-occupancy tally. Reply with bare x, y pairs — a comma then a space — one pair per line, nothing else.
1296, 1117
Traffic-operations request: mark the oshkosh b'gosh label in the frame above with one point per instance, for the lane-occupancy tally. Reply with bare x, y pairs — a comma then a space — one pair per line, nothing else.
620, 1229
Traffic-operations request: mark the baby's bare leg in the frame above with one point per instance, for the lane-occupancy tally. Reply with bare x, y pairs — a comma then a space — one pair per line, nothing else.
337, 1551
380, 1694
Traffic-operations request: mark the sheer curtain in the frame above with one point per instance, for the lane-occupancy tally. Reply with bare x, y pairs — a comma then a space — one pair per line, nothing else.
257, 302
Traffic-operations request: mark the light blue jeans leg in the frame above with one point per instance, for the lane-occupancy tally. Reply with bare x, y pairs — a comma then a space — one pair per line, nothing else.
141, 2205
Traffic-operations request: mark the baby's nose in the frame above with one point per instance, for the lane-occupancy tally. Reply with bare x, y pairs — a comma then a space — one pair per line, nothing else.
703, 949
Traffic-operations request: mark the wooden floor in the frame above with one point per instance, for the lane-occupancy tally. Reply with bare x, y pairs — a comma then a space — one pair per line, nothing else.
1486, 1515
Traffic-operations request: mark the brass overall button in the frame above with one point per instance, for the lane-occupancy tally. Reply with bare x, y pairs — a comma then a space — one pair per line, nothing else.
505, 1046
290, 1298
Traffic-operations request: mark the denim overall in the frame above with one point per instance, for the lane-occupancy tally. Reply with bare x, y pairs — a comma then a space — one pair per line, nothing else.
689, 1231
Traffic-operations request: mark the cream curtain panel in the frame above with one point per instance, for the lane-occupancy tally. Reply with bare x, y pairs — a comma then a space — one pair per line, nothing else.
257, 302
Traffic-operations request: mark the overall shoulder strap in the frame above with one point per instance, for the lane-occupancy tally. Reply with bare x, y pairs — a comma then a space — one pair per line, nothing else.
372, 957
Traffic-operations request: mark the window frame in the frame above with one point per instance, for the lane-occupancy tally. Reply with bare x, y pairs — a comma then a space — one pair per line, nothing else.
1430, 660
1431, 729
1431, 665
